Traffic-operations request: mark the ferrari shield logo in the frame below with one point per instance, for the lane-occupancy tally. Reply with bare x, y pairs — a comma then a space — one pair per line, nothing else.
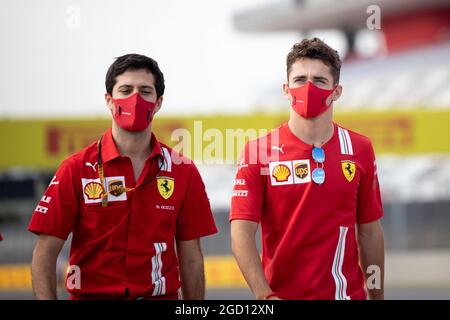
349, 169
165, 186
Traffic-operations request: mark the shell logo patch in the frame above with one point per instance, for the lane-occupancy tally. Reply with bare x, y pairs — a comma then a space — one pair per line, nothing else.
348, 169
281, 173
166, 185
93, 190
289, 172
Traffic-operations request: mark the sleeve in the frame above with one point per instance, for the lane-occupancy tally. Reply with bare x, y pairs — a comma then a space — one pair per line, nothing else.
369, 206
56, 211
195, 219
249, 188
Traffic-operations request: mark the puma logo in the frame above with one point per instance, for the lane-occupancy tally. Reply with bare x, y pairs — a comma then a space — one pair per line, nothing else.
280, 149
88, 164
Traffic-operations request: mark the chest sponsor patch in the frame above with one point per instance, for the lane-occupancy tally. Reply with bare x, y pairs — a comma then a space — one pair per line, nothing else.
348, 169
302, 171
289, 172
93, 190
166, 185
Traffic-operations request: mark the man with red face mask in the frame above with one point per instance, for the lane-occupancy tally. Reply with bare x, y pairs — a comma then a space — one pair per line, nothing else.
313, 187
136, 208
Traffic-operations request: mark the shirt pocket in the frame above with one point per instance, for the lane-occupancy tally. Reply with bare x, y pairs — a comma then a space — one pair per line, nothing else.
96, 222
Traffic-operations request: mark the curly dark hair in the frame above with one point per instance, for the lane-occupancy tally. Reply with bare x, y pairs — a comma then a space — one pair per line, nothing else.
315, 49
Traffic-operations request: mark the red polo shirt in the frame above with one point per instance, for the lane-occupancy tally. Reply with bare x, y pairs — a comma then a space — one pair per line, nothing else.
125, 249
309, 242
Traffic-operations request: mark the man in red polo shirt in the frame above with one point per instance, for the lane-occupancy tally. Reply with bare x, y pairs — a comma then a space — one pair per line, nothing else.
136, 208
313, 187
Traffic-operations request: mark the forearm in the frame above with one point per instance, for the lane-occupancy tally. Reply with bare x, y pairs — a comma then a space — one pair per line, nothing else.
43, 274
247, 256
193, 279
371, 248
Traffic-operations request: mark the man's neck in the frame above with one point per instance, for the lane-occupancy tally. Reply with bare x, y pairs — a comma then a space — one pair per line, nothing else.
316, 131
135, 145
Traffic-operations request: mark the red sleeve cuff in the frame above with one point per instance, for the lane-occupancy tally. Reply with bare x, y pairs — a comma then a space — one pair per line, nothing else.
371, 218
244, 216
54, 233
195, 235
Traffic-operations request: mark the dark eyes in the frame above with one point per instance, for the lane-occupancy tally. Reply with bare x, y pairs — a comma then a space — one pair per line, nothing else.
316, 80
129, 91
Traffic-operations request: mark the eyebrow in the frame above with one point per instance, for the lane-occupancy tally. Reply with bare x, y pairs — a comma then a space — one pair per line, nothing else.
128, 86
320, 78
146, 87
303, 77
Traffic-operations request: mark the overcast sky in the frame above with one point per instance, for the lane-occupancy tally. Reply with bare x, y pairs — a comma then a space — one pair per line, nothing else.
55, 54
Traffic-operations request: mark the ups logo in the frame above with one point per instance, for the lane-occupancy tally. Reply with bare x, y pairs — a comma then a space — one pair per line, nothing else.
116, 187
301, 170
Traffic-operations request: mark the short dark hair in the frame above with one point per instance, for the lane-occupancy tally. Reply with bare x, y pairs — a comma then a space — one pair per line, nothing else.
134, 61
315, 49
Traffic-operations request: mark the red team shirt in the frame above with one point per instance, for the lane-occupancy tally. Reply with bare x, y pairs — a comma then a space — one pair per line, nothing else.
125, 249
309, 246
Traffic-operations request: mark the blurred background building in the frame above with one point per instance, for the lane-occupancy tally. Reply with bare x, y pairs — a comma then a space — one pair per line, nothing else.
224, 66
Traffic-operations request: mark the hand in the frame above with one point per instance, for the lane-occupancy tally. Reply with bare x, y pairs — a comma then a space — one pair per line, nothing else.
272, 296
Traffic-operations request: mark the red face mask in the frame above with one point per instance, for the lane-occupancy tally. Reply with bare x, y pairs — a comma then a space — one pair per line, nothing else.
310, 101
133, 113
